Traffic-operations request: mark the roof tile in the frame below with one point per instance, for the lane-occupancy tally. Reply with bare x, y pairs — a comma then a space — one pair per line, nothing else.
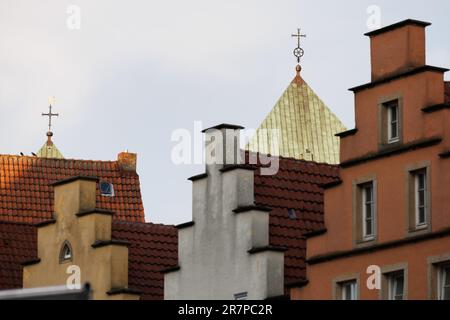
295, 186
26, 194
153, 247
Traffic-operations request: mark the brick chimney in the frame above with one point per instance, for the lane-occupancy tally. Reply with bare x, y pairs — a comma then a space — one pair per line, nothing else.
127, 161
397, 48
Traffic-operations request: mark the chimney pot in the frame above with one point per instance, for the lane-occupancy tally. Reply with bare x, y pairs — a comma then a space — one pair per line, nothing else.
127, 161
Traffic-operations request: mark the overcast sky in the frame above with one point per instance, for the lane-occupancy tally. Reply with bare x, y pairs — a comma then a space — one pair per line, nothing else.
136, 71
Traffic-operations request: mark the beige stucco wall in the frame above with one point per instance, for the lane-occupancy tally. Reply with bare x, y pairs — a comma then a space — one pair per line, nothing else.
104, 267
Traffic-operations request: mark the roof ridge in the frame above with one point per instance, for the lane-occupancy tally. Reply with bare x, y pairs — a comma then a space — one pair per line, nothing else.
54, 159
145, 223
294, 159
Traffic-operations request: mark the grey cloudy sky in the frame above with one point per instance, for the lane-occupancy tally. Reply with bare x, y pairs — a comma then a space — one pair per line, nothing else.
138, 70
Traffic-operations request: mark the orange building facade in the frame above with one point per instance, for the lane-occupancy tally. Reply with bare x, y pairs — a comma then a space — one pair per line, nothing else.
387, 222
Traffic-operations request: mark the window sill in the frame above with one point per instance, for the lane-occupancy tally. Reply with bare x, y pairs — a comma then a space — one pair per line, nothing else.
419, 230
365, 242
393, 141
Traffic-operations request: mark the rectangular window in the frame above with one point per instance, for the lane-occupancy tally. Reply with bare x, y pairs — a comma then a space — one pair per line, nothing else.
396, 283
368, 211
444, 282
393, 124
349, 290
420, 197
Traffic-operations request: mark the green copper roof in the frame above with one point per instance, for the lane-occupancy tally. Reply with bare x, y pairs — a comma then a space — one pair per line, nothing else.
300, 126
49, 150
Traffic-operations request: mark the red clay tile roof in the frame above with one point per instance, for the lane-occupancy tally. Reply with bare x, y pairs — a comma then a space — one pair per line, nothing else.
295, 186
447, 91
25, 194
18, 243
153, 247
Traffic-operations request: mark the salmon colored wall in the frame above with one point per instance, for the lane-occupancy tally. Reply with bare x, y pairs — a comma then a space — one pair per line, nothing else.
321, 275
416, 92
391, 51
391, 187
396, 51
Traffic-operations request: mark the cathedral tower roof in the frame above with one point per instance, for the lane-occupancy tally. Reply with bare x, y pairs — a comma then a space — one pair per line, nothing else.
299, 126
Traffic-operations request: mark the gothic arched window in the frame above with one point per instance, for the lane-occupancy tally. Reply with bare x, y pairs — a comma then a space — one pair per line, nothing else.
66, 253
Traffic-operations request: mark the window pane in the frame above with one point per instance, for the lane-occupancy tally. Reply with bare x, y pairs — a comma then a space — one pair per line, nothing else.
368, 211
399, 287
393, 110
447, 275
349, 290
421, 180
369, 227
421, 215
421, 198
368, 194
394, 133
446, 293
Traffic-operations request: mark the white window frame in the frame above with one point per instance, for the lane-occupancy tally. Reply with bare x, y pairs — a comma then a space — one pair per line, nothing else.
353, 286
390, 107
392, 284
442, 278
417, 207
365, 202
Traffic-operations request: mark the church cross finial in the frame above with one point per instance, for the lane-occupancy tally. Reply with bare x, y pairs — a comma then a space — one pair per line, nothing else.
51, 101
298, 52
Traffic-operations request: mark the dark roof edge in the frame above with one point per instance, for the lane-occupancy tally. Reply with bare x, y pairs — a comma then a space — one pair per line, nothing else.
115, 291
398, 76
30, 262
266, 248
392, 151
387, 245
45, 223
315, 233
231, 167
297, 284
224, 126
251, 208
185, 225
74, 178
171, 269
95, 211
398, 25
436, 107
444, 154
347, 133
104, 243
331, 184
198, 177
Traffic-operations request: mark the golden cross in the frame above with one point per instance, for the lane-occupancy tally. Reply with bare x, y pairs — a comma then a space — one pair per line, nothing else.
51, 101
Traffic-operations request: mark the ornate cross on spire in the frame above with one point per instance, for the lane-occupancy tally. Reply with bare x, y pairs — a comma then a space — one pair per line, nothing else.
298, 52
51, 101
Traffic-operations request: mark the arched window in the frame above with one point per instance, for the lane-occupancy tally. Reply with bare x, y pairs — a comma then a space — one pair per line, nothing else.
66, 253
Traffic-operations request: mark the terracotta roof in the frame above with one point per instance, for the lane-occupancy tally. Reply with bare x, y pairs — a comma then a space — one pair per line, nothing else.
25, 194
153, 247
18, 243
447, 91
295, 186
